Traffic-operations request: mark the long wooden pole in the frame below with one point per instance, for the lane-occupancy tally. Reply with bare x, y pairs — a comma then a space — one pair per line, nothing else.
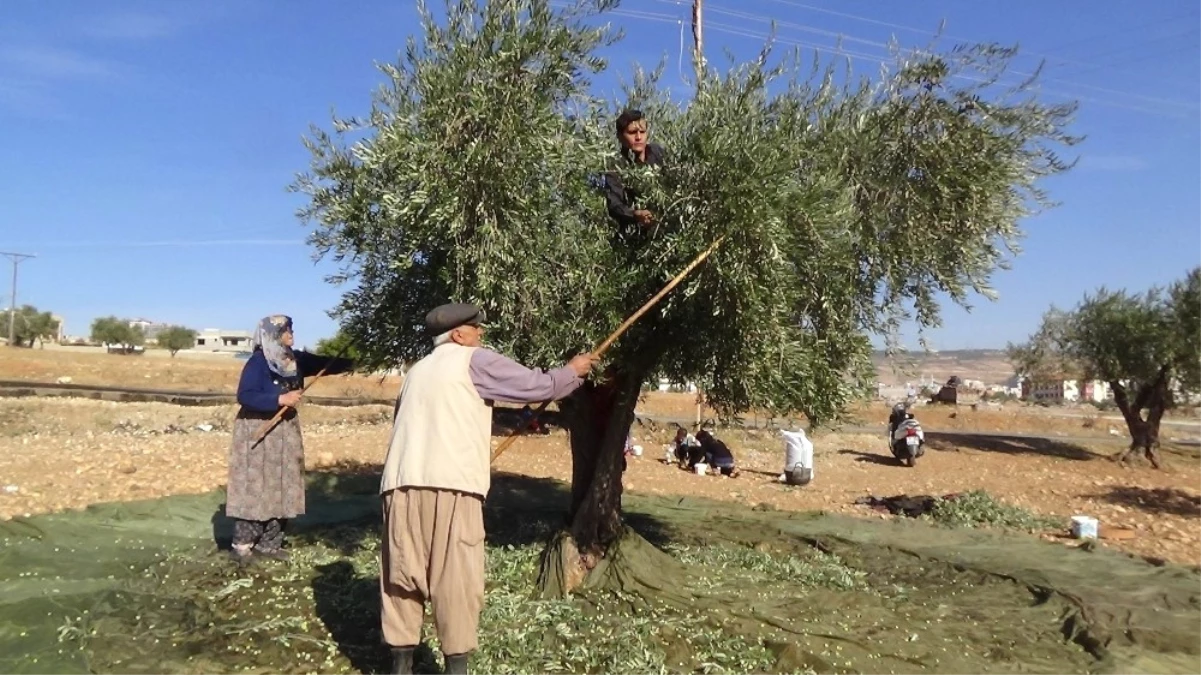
608, 342
279, 414
698, 42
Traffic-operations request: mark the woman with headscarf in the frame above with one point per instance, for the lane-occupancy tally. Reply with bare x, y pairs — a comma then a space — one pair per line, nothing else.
266, 479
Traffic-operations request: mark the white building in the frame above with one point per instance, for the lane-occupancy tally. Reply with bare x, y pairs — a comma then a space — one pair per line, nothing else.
1066, 391
218, 340
150, 329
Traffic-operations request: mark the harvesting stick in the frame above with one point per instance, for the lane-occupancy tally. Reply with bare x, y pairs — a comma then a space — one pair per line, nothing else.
279, 414
604, 346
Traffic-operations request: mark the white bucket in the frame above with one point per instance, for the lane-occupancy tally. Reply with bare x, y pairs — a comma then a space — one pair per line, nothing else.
701, 468
1084, 527
637, 450
668, 456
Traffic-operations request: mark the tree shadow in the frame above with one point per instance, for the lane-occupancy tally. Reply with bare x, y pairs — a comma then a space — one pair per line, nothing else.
885, 460
770, 474
341, 507
344, 512
1010, 445
1160, 501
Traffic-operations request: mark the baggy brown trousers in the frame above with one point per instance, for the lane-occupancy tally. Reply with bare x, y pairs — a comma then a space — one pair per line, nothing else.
433, 549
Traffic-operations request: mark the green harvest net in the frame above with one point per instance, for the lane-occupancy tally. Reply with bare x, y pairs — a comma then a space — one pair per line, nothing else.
138, 587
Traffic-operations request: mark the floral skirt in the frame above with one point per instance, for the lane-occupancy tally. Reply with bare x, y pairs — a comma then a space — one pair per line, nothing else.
266, 480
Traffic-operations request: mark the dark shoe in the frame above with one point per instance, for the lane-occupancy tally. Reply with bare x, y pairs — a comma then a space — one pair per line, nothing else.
402, 660
456, 664
240, 557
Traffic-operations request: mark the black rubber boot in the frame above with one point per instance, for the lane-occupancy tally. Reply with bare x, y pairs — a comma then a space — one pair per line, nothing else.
402, 660
456, 664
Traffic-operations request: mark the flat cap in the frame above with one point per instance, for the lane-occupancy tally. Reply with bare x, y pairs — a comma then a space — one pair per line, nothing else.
452, 315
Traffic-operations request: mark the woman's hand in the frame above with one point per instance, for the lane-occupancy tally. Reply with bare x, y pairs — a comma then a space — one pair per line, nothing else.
290, 399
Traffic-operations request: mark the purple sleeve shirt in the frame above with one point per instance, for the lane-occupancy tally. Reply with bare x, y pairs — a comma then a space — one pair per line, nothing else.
498, 378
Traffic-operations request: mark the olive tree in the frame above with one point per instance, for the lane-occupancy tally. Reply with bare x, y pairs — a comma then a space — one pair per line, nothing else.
175, 338
29, 326
845, 210
1146, 346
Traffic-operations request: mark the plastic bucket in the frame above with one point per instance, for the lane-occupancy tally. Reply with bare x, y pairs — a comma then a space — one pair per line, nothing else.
701, 469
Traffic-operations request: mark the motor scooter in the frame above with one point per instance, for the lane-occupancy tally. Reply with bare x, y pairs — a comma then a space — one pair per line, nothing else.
906, 439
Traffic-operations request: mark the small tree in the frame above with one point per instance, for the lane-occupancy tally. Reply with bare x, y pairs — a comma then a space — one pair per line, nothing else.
846, 209
29, 326
341, 344
1146, 346
113, 331
175, 338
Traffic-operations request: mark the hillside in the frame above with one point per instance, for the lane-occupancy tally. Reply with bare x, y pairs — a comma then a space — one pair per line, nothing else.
987, 365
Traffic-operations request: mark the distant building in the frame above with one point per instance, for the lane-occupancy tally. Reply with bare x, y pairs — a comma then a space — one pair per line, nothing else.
1066, 391
1004, 390
217, 340
149, 328
1095, 391
60, 334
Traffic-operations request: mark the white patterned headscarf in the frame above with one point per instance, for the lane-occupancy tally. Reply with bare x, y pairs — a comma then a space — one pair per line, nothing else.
267, 337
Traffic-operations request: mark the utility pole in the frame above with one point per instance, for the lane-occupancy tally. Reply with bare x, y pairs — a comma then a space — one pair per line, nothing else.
698, 42
16, 259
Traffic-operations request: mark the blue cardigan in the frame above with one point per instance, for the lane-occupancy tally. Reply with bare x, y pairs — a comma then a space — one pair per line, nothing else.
259, 388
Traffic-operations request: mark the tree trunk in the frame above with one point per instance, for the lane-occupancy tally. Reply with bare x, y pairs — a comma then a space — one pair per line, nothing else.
1144, 433
598, 440
596, 549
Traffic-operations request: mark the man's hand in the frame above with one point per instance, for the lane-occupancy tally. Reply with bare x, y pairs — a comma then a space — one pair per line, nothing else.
290, 399
644, 217
582, 363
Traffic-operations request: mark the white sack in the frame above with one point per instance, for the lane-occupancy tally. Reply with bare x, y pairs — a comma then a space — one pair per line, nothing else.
798, 449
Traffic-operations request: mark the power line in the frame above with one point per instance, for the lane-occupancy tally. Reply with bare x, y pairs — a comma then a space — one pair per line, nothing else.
735, 30
875, 43
865, 19
17, 259
875, 58
1123, 32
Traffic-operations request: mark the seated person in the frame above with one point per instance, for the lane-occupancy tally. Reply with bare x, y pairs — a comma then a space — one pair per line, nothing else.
685, 446
630, 447
531, 423
717, 453
900, 412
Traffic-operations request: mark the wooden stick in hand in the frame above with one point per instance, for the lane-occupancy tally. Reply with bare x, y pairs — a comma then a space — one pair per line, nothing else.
608, 342
279, 414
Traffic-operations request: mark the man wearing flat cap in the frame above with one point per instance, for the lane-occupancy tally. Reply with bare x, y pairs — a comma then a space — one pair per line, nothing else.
436, 477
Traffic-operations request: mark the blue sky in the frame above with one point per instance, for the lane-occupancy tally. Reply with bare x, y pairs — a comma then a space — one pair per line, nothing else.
149, 144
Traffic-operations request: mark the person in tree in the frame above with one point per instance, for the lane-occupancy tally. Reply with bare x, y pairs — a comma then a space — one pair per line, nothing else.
437, 475
266, 479
717, 453
621, 201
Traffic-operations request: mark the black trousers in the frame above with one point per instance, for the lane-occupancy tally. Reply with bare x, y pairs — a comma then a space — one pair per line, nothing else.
266, 536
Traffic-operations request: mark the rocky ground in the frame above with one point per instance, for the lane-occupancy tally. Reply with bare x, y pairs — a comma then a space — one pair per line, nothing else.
58, 454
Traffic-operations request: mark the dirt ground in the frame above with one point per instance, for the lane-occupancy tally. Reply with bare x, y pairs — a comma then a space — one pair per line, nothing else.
156, 369
219, 374
60, 454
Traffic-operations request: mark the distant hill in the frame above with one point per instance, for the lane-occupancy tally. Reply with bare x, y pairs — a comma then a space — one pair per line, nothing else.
987, 365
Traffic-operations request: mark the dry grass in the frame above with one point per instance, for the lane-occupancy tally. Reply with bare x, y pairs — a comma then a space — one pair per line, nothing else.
211, 373
68, 453
157, 370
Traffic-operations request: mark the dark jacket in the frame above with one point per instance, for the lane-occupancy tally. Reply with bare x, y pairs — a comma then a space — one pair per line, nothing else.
621, 201
716, 452
259, 388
